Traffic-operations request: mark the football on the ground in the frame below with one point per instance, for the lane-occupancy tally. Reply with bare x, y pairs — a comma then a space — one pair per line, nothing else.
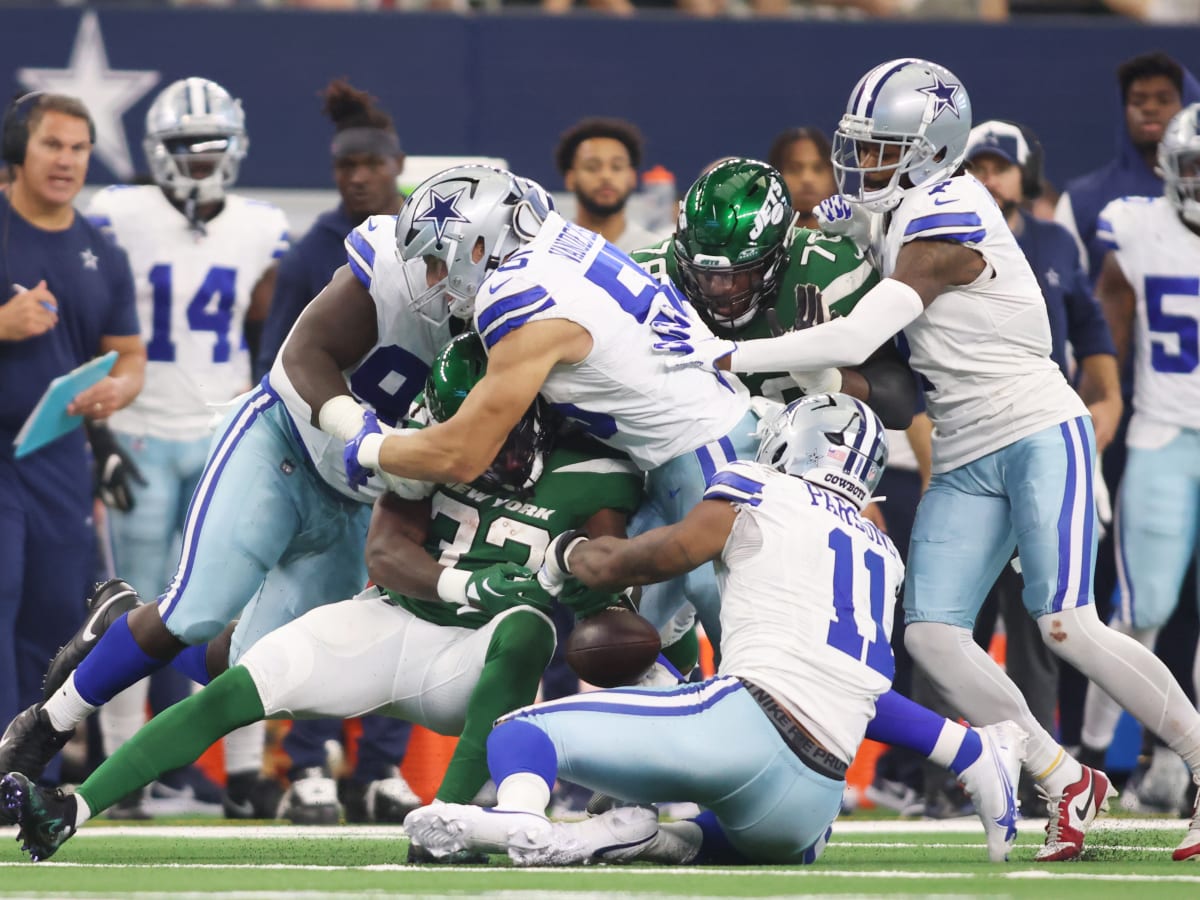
612, 648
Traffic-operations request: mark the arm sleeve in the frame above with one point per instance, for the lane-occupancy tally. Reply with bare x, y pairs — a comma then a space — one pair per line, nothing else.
893, 387
848, 341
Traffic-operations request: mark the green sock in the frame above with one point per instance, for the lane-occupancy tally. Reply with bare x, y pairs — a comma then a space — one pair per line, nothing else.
518, 654
684, 654
175, 737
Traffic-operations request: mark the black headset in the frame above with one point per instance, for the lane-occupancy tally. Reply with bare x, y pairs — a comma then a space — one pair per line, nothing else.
1033, 172
16, 128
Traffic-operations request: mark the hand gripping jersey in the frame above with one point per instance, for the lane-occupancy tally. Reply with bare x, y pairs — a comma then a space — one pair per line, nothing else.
808, 591
623, 393
831, 262
192, 295
392, 373
470, 529
1160, 257
983, 348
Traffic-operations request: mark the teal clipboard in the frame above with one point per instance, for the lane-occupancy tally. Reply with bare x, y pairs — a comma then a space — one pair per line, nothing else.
49, 420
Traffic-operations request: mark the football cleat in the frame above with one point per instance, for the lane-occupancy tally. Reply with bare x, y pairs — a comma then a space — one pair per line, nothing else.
991, 782
1072, 813
109, 601
384, 800
30, 742
312, 799
443, 829
1189, 847
46, 817
623, 834
419, 856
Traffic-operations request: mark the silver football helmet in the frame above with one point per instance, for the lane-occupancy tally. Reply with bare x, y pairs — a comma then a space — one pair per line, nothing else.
1179, 162
832, 440
195, 140
471, 218
906, 125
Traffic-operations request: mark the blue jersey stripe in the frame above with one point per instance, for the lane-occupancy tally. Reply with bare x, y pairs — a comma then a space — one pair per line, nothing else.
508, 305
497, 332
361, 256
727, 484
962, 220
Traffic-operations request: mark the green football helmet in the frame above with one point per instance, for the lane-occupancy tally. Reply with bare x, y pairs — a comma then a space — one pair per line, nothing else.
731, 241
456, 369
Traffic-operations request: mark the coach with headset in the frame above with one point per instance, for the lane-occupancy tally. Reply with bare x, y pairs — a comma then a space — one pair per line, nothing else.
66, 296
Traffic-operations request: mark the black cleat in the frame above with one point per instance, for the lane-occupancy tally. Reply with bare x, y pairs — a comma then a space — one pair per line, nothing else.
30, 742
46, 816
109, 601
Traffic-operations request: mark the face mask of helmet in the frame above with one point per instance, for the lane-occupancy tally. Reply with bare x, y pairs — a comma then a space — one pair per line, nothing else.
905, 126
731, 240
195, 140
471, 218
1179, 163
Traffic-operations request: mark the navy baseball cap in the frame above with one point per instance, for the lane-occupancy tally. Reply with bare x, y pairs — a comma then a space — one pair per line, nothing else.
1001, 139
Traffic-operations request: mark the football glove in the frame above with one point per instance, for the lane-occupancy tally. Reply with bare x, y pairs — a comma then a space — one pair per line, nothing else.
554, 571
503, 586
837, 215
585, 601
113, 470
361, 453
810, 311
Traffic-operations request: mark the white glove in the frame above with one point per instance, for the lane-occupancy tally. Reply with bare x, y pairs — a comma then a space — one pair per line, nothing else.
696, 352
765, 408
822, 381
837, 215
554, 571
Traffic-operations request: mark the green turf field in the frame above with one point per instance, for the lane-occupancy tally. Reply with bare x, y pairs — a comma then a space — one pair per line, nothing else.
1127, 858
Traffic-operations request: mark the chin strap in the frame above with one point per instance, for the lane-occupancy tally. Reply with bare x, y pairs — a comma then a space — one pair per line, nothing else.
190, 210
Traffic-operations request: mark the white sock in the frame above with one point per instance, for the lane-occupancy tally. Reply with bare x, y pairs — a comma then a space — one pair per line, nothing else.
949, 742
82, 811
123, 715
1100, 711
66, 708
244, 748
524, 792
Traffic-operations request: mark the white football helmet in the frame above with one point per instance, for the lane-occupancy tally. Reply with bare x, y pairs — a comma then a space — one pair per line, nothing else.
195, 140
906, 117
832, 440
471, 218
1179, 162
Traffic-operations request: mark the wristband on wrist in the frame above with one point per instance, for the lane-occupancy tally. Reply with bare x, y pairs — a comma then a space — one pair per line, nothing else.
452, 586
341, 416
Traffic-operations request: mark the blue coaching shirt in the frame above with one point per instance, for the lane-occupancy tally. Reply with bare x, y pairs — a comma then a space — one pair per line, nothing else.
1075, 315
90, 278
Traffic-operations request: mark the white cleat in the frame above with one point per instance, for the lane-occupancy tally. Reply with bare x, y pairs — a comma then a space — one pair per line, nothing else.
1189, 847
446, 828
622, 834
991, 781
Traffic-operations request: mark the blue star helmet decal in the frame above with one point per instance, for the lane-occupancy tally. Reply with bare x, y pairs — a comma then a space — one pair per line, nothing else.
442, 210
942, 93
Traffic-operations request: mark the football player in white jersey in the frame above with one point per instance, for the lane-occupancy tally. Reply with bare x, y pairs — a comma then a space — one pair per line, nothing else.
273, 529
808, 588
1150, 287
1013, 444
203, 263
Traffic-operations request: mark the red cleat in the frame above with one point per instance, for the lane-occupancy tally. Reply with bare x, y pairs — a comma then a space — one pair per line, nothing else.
1072, 813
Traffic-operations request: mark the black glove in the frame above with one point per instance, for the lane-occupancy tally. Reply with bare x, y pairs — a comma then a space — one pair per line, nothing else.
810, 311
113, 469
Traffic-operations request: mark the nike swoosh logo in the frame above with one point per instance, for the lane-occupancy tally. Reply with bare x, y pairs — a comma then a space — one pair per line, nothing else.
88, 634
1082, 811
937, 202
674, 492
493, 288
372, 224
244, 809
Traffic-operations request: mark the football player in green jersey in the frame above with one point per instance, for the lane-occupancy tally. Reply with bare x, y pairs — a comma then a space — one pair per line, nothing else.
745, 269
456, 634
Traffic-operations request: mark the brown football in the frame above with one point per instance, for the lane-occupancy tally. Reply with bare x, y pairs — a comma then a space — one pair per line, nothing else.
612, 648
